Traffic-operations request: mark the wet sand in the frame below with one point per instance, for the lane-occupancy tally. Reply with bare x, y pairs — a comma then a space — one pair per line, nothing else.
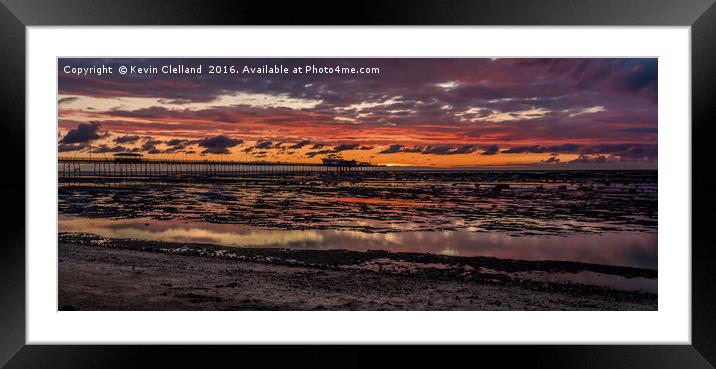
515, 203
97, 273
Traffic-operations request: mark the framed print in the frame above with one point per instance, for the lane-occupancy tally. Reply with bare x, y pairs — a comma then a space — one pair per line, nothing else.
528, 180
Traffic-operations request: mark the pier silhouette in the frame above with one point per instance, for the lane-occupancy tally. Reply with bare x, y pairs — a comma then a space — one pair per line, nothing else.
135, 165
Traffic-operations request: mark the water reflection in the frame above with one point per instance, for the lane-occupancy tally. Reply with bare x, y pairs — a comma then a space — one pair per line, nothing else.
637, 249
592, 278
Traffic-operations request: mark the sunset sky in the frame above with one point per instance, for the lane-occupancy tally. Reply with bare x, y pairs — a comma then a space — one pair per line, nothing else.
503, 113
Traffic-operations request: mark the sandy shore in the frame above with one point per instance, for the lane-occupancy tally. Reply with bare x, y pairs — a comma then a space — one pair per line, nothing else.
104, 274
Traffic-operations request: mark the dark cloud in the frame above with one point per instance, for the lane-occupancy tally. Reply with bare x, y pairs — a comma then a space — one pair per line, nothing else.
178, 145
641, 130
588, 159
563, 148
491, 150
127, 139
311, 154
621, 151
537, 149
150, 146
641, 78
85, 132
435, 150
551, 160
218, 144
66, 100
263, 145
70, 147
414, 149
634, 77
392, 149
119, 148
447, 150
346, 147
627, 151
179, 142
524, 149
336, 149
299, 144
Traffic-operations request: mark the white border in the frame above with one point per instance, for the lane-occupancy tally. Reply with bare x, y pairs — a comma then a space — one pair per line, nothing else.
670, 324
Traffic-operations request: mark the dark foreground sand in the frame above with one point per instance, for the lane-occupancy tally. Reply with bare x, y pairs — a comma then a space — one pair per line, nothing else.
103, 274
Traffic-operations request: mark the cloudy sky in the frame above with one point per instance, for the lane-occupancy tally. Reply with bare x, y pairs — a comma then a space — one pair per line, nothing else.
511, 113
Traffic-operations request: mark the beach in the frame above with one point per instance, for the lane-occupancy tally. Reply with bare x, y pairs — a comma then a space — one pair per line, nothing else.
97, 273
375, 241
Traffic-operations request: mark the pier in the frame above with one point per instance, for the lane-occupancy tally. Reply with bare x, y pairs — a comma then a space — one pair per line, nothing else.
134, 165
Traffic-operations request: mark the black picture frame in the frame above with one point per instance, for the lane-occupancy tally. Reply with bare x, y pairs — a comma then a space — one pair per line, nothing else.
16, 15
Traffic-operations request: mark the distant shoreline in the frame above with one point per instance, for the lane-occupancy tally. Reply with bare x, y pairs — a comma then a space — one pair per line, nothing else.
98, 273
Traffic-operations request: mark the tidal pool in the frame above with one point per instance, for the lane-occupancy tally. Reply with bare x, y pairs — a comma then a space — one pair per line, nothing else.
635, 249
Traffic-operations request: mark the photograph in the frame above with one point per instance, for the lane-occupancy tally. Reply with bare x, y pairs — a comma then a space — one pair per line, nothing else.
188, 185
409, 184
